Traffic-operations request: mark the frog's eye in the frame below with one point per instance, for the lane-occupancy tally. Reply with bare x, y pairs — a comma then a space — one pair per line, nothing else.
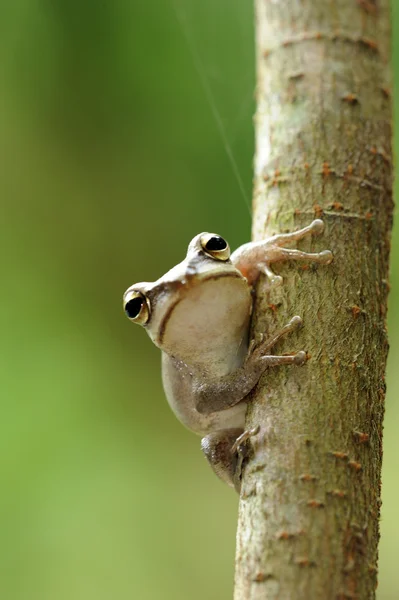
136, 307
215, 246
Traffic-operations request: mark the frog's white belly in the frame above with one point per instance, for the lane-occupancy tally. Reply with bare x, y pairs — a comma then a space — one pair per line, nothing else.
177, 384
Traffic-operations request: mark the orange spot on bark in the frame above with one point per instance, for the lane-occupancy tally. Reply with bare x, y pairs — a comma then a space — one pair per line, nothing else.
304, 561
386, 91
356, 466
372, 44
340, 455
326, 171
318, 210
361, 437
338, 493
285, 535
308, 477
350, 98
368, 6
337, 206
259, 577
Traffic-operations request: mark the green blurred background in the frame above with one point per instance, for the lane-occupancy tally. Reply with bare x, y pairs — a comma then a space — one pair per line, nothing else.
111, 160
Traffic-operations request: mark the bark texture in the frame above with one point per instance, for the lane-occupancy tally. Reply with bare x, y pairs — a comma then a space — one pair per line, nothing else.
310, 502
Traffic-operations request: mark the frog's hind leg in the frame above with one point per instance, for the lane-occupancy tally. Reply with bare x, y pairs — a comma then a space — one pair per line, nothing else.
225, 451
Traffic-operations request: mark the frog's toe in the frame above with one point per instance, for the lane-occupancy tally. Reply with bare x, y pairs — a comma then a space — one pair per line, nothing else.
317, 226
295, 322
326, 257
300, 358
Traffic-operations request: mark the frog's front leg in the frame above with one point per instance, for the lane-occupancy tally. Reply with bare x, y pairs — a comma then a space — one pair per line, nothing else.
226, 391
256, 257
225, 451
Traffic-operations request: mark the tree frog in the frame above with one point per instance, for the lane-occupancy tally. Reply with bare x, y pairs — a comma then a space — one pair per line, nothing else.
199, 315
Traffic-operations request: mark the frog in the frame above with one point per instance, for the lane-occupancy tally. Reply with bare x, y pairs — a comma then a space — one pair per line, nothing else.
199, 315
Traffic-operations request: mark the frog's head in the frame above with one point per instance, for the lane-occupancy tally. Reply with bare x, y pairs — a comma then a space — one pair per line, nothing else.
194, 300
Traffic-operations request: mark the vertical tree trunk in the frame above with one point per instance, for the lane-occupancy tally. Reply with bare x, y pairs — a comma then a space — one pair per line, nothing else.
310, 502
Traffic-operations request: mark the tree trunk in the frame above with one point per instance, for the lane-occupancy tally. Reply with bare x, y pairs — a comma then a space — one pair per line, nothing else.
310, 502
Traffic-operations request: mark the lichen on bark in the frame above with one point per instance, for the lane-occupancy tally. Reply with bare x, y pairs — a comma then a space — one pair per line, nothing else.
310, 501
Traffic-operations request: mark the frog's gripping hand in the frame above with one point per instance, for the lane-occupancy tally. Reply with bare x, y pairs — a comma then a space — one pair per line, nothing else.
255, 258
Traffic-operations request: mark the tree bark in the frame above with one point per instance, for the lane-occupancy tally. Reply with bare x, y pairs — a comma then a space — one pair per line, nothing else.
310, 501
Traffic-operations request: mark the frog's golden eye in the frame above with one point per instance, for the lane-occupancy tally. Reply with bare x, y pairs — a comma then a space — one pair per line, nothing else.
137, 307
215, 246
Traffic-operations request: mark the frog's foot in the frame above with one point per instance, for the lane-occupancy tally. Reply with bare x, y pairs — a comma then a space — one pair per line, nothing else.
274, 251
217, 447
226, 450
241, 450
259, 346
277, 254
243, 438
256, 257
